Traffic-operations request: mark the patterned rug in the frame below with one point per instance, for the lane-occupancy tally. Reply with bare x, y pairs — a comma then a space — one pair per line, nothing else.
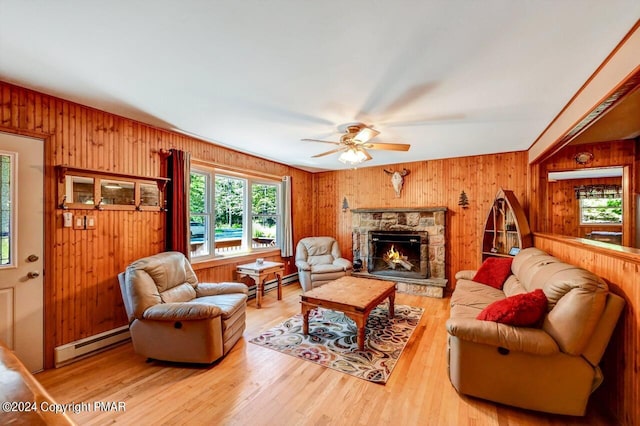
332, 340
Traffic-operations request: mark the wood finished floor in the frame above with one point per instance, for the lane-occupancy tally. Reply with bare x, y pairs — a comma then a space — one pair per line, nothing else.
253, 385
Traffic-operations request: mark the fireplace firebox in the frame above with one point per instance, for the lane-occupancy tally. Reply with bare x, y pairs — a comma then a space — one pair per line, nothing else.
399, 254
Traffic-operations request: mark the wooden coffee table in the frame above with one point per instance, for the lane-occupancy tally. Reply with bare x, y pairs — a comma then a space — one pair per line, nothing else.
356, 297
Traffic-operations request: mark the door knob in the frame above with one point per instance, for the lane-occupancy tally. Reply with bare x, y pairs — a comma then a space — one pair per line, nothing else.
32, 258
33, 274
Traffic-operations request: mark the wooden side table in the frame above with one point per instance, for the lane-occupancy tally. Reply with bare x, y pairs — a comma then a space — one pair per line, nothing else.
259, 273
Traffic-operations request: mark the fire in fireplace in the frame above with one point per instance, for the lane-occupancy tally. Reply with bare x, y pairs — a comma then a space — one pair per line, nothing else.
399, 254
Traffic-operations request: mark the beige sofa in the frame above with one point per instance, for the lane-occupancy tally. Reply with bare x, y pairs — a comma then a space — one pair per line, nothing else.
173, 317
553, 368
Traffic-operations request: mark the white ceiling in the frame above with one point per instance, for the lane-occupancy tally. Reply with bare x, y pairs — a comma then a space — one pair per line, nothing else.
450, 77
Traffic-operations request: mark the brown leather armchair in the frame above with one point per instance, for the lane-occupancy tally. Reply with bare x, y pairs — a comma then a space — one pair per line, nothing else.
320, 261
173, 317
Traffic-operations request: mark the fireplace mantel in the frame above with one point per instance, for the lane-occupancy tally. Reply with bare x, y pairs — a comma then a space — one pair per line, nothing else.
429, 220
400, 210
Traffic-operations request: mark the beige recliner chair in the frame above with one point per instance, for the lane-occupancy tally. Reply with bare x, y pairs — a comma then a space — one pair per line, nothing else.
319, 261
172, 317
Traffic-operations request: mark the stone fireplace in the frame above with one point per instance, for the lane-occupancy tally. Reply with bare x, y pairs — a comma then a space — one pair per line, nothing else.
402, 245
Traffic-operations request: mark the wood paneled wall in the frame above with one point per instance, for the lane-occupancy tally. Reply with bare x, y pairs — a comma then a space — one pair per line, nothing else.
82, 296
429, 184
547, 213
620, 392
565, 214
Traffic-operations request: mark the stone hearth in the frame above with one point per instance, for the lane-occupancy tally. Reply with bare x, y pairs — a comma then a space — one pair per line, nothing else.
429, 220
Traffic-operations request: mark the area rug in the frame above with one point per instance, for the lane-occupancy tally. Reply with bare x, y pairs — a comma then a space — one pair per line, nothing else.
332, 340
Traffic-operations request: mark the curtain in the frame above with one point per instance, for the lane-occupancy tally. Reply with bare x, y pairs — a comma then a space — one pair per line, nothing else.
286, 247
598, 191
177, 217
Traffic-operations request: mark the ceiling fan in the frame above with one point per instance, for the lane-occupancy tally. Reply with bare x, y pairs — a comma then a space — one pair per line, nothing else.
355, 142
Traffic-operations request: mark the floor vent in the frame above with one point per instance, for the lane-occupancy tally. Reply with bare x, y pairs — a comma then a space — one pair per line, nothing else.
82, 348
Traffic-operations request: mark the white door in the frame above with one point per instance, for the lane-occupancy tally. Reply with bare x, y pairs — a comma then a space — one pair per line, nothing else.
21, 248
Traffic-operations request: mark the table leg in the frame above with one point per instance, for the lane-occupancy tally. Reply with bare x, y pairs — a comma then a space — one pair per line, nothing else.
279, 276
361, 323
259, 291
361, 332
305, 318
392, 298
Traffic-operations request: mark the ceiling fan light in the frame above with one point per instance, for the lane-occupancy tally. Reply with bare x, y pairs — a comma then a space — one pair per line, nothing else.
361, 155
352, 156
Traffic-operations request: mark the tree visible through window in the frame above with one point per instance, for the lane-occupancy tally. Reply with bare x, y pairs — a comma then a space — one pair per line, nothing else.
601, 211
245, 214
229, 208
264, 206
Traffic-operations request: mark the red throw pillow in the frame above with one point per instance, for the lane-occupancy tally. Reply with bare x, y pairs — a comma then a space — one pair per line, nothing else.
525, 310
494, 271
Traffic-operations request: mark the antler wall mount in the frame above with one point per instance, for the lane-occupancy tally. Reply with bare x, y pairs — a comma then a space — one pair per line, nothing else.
397, 179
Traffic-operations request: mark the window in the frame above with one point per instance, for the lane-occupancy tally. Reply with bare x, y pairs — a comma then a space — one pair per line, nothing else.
6, 211
232, 214
601, 211
600, 204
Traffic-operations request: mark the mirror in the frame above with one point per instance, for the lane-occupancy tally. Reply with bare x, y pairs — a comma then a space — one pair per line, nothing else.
79, 190
149, 195
117, 192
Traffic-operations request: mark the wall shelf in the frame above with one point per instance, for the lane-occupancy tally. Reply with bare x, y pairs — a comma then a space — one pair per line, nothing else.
506, 229
80, 188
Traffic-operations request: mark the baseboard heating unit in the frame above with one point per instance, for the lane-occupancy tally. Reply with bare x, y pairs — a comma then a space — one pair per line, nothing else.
82, 348
273, 284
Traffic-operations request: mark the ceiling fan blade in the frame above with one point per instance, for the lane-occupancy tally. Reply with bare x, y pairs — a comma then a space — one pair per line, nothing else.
329, 152
318, 140
388, 146
366, 154
365, 134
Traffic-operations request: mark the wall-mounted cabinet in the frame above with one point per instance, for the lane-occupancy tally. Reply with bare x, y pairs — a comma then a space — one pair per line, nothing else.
506, 230
86, 189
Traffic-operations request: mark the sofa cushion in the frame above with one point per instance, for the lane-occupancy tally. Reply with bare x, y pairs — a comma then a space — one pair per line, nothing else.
576, 298
320, 259
464, 311
513, 286
471, 293
523, 256
524, 310
326, 268
180, 293
229, 304
529, 271
494, 271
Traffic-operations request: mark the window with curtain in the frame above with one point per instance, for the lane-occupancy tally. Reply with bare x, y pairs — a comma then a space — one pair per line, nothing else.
233, 214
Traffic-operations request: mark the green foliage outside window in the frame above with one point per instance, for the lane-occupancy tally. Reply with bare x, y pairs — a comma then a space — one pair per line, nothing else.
265, 209
197, 196
226, 209
228, 202
601, 210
